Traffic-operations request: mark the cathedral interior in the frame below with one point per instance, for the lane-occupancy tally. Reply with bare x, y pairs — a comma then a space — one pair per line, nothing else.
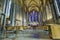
29, 19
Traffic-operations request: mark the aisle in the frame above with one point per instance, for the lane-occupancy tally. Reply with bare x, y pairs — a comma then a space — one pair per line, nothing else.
30, 34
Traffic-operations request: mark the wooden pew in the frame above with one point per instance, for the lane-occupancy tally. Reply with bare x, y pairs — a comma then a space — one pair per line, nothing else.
55, 30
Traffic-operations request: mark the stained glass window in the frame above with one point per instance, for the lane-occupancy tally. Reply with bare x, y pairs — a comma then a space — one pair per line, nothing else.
33, 17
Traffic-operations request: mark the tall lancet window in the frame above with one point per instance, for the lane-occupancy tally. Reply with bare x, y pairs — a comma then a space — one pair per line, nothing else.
33, 18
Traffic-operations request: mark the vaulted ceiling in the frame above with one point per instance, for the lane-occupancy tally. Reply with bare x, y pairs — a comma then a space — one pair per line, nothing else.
30, 5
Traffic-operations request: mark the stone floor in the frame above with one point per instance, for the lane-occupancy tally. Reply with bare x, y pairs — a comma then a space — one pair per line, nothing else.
29, 34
